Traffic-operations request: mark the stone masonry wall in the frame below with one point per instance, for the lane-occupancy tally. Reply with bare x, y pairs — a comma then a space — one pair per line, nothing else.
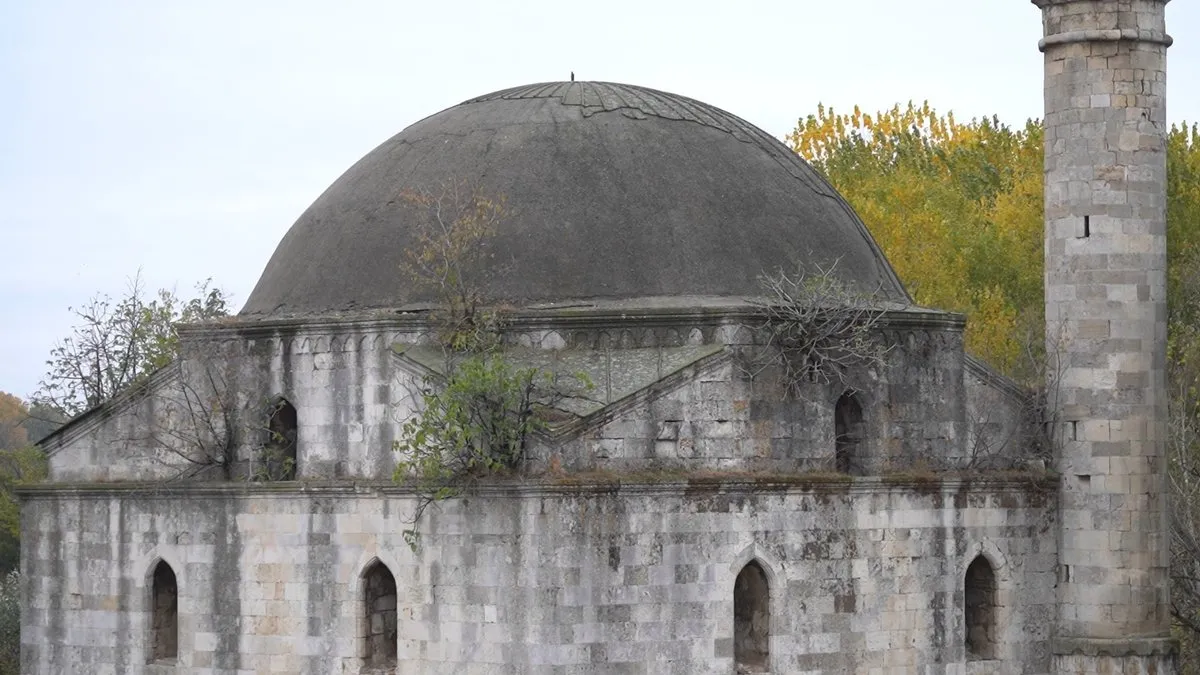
719, 417
352, 394
737, 415
863, 576
345, 387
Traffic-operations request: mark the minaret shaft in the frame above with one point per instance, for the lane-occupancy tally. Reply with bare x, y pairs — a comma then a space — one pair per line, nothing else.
1106, 325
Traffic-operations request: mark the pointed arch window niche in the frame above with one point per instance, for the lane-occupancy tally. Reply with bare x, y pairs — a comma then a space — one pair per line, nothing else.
279, 458
848, 435
164, 615
379, 605
979, 610
751, 620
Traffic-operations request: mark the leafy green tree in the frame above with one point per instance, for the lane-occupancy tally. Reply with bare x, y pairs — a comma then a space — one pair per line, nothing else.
117, 342
13, 418
1183, 377
20, 463
477, 421
477, 416
21, 466
10, 623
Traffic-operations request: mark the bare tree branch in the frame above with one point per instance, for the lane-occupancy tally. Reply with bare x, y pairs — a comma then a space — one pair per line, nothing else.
819, 326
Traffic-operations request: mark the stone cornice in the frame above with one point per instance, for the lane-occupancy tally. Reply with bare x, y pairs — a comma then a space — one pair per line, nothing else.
583, 484
561, 318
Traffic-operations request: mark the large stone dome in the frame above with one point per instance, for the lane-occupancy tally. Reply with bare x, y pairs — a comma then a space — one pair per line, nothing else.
615, 193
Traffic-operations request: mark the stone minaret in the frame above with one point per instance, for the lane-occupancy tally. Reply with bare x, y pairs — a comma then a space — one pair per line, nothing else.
1106, 328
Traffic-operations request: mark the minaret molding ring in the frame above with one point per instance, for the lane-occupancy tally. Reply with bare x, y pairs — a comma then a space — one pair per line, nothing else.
1109, 35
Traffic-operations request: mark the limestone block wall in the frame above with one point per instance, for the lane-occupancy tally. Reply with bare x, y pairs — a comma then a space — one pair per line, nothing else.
863, 576
352, 394
923, 399
710, 417
119, 442
348, 393
731, 414
344, 384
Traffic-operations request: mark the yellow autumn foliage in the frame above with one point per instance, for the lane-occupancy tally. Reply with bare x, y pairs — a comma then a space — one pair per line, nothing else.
956, 207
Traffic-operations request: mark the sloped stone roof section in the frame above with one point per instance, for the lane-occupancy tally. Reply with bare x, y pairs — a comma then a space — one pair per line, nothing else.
587, 382
613, 192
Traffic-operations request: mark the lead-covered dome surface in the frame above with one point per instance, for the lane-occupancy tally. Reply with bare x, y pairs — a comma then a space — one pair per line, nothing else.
613, 192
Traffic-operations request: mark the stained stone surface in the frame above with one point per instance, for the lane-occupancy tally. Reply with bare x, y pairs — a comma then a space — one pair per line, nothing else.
529, 580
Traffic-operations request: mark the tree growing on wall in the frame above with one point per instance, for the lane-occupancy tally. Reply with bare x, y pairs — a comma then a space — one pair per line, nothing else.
196, 416
117, 342
453, 224
476, 416
818, 326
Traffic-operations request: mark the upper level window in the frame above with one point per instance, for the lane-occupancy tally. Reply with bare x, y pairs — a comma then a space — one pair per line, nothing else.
848, 435
279, 452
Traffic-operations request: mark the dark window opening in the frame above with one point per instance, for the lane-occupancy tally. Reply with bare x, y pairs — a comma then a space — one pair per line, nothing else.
164, 614
379, 597
279, 452
751, 620
980, 610
848, 435
1087, 226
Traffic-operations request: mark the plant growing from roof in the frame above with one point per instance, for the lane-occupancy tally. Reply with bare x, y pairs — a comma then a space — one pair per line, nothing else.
476, 417
453, 224
819, 326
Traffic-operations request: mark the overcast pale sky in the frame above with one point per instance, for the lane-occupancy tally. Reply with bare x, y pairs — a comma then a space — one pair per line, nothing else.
184, 138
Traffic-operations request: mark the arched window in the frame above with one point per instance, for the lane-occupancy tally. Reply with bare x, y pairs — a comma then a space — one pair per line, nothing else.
979, 610
164, 614
751, 620
279, 452
379, 602
848, 435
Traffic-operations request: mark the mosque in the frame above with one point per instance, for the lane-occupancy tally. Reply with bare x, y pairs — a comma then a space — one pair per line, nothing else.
699, 507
